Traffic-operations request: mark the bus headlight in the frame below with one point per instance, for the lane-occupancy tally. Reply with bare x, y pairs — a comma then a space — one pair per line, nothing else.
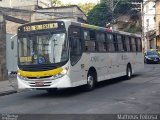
21, 77
64, 71
61, 74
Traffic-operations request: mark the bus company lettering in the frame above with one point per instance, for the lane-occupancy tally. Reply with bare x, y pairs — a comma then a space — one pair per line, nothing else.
95, 59
124, 57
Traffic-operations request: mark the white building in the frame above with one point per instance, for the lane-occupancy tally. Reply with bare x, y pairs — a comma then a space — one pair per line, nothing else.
149, 24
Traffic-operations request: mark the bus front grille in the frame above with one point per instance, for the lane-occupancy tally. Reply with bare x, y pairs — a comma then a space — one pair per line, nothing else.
40, 83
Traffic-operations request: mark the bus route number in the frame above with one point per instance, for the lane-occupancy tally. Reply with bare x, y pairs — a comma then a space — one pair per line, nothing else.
40, 27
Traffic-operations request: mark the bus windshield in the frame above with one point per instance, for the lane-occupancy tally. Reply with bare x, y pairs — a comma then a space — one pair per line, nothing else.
45, 48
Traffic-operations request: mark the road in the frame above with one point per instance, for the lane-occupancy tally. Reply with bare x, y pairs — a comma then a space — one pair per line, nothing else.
141, 94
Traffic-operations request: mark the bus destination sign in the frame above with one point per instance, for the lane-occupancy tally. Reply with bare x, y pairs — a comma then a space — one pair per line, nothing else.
40, 27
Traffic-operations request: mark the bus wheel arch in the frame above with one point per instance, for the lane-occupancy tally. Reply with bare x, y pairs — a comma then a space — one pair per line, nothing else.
91, 79
128, 71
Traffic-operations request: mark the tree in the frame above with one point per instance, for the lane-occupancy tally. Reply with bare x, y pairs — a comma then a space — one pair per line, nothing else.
56, 2
107, 12
100, 15
86, 7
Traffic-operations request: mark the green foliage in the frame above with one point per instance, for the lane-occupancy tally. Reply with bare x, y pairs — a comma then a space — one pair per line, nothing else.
99, 15
56, 3
134, 29
86, 7
106, 12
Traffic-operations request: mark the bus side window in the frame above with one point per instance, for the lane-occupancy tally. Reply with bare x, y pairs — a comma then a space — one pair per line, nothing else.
115, 42
136, 43
119, 41
100, 42
75, 45
89, 38
110, 41
75, 41
124, 43
127, 43
133, 44
130, 44
139, 44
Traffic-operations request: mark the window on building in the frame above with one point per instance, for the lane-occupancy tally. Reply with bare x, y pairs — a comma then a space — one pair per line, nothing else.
147, 8
147, 24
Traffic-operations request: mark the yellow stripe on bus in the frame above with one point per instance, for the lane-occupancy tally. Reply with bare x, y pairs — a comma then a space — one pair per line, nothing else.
40, 73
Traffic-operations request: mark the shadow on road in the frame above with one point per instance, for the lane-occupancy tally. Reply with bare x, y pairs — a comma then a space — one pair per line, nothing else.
70, 92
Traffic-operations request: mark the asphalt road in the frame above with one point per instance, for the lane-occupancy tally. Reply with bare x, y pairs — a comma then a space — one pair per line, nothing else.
141, 94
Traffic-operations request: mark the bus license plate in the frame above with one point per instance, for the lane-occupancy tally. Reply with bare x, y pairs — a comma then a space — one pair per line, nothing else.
39, 83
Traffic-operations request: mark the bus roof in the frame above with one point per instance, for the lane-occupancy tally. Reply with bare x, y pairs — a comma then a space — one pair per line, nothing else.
87, 26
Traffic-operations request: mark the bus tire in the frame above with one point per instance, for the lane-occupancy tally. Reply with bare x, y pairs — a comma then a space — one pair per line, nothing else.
91, 80
128, 72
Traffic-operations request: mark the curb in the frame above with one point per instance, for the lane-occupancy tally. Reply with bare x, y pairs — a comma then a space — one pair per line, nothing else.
7, 92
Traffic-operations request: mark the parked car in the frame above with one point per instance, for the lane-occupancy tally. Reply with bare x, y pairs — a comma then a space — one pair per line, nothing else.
151, 56
157, 50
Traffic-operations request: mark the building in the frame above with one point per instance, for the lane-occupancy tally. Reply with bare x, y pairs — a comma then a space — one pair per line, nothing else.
72, 12
31, 5
3, 68
157, 17
149, 24
20, 16
17, 16
25, 4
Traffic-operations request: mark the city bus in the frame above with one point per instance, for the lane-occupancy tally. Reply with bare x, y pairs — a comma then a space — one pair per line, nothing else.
64, 54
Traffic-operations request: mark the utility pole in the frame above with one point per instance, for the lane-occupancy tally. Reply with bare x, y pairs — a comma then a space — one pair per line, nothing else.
111, 4
112, 7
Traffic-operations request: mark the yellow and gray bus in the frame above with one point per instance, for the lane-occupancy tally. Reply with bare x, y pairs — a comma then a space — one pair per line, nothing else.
63, 54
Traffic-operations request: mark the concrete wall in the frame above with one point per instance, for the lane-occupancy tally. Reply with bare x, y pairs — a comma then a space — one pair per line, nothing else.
11, 52
3, 69
11, 27
64, 12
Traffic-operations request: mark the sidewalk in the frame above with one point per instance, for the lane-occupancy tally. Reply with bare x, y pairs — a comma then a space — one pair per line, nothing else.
8, 86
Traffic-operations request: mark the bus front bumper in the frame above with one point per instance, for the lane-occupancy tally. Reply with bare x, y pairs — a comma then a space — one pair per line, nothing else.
63, 82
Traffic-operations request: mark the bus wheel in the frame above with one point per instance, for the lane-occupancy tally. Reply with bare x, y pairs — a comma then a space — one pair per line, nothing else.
90, 82
51, 90
128, 72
